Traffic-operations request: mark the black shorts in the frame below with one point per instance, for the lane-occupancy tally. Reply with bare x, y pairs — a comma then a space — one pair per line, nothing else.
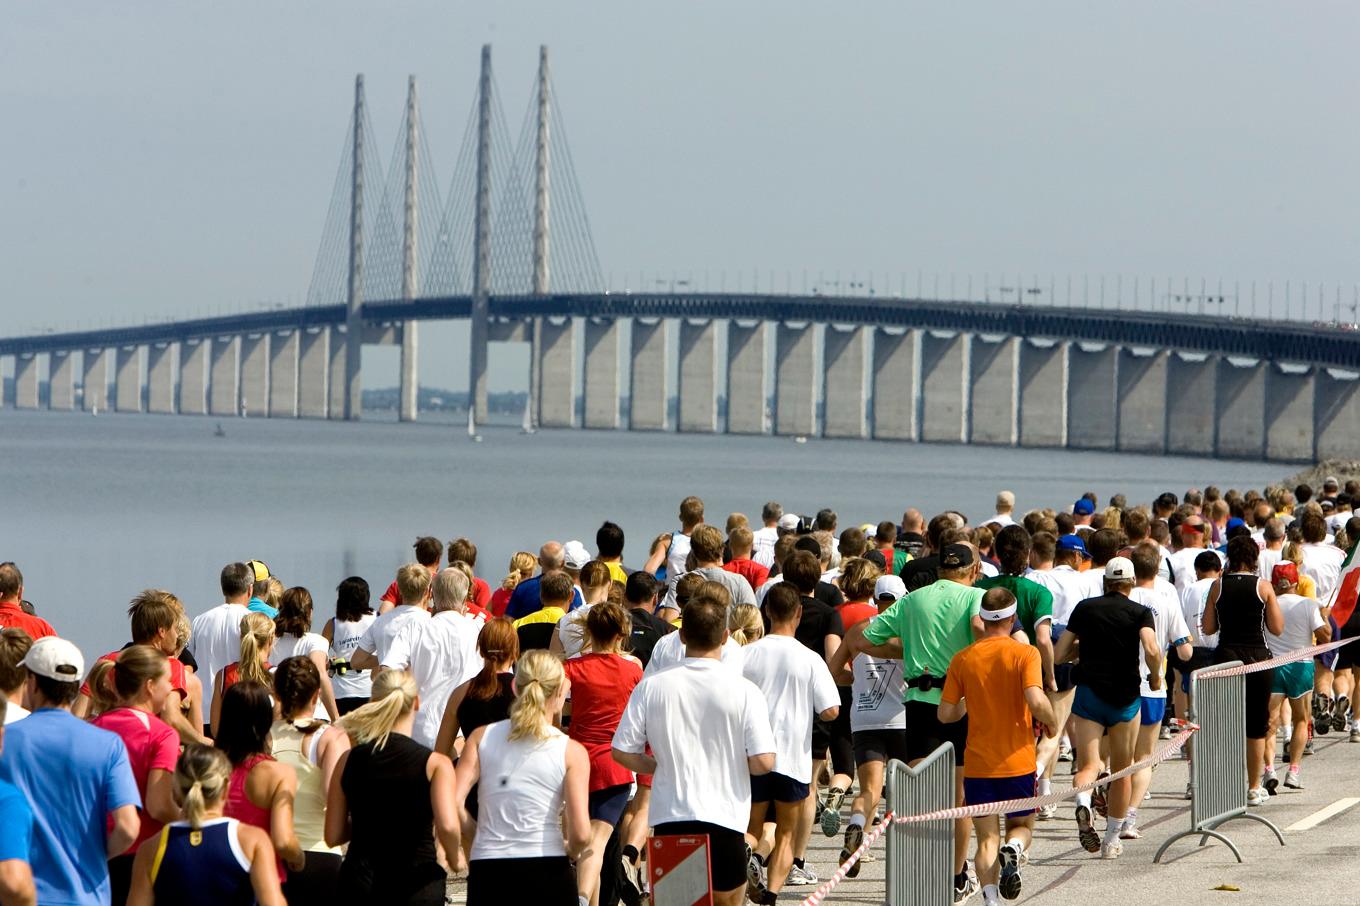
547, 880
881, 745
925, 733
726, 851
774, 787
1348, 656
1064, 677
1257, 687
607, 805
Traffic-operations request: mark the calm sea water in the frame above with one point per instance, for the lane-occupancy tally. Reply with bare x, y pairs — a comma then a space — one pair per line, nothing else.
95, 509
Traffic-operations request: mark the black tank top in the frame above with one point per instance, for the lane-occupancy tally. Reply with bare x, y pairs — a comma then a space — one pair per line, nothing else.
391, 851
474, 713
1242, 618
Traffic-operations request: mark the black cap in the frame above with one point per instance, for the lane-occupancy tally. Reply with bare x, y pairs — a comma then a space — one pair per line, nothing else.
956, 556
877, 559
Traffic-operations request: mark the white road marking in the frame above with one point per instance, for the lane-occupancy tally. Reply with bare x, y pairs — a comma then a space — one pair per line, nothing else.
1323, 814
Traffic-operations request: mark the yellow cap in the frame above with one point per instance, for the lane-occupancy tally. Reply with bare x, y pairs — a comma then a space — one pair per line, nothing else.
261, 571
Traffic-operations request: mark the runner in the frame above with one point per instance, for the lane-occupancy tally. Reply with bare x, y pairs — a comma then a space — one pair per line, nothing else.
746, 624
12, 613
534, 775
294, 636
521, 567
998, 682
16, 832
1303, 627
14, 645
429, 551
414, 582
570, 638
353, 617
253, 666
556, 594
216, 638
1110, 630
205, 859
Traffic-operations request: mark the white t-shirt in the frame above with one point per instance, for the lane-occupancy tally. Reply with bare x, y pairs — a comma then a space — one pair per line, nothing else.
669, 651
1267, 561
1302, 616
676, 556
378, 638
571, 629
762, 546
1068, 588
1183, 565
797, 686
345, 638
1168, 622
216, 642
286, 646
441, 654
702, 723
1193, 603
1001, 520
877, 694
14, 712
1323, 562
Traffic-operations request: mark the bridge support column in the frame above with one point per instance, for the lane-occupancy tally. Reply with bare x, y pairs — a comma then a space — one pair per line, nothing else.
410, 374
223, 386
647, 376
602, 373
314, 353
993, 417
1092, 396
255, 374
698, 390
746, 394
61, 383
843, 395
896, 387
26, 380
1043, 394
795, 394
160, 378
556, 357
95, 380
337, 379
1240, 409
193, 383
944, 386
1191, 390
1142, 400
1290, 409
283, 374
127, 379
1336, 429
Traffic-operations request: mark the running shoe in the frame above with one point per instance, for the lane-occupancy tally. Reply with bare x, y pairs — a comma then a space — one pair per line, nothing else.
1340, 710
1064, 750
756, 888
1098, 800
1291, 779
1112, 850
1257, 796
1355, 733
1322, 706
630, 883
1130, 831
1090, 840
1164, 732
1048, 812
1189, 791
1009, 883
831, 812
965, 885
854, 838
802, 877
1270, 781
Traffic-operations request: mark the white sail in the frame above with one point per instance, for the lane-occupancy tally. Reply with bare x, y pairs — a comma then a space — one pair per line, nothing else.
527, 424
472, 423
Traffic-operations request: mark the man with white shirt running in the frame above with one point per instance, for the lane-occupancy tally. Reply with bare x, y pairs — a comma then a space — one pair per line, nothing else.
709, 733
763, 539
413, 583
215, 640
670, 649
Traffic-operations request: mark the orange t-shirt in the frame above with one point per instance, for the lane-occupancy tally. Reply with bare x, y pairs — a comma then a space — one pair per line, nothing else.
991, 676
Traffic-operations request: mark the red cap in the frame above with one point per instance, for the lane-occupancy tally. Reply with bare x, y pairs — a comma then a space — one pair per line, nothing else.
1284, 574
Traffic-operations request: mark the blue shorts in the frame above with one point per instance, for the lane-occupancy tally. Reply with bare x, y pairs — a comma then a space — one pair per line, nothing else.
1086, 704
1152, 710
1294, 680
774, 787
977, 790
607, 805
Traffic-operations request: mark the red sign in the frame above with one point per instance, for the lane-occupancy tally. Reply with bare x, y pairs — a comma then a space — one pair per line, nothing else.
680, 871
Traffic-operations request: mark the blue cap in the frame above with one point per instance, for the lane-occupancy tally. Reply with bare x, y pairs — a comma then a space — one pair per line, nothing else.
1083, 507
1234, 522
1073, 543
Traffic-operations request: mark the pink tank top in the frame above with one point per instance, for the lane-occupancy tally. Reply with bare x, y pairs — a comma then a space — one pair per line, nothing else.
240, 807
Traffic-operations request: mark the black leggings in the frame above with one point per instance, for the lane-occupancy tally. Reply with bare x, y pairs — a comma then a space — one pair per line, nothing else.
547, 880
1257, 687
316, 883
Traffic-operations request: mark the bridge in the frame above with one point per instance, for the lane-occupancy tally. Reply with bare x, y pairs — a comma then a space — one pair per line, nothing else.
1145, 379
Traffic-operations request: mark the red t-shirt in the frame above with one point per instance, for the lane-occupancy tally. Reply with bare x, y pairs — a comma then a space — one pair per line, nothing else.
152, 745
749, 570
856, 612
177, 681
500, 600
11, 614
600, 687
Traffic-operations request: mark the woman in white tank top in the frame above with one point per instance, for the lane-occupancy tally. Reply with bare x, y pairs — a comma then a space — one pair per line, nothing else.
528, 773
353, 616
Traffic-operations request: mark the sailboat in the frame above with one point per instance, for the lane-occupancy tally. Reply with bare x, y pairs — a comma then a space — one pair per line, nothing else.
527, 424
472, 427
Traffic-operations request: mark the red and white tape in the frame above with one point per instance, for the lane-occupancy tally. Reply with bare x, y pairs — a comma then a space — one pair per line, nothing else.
830, 883
1301, 654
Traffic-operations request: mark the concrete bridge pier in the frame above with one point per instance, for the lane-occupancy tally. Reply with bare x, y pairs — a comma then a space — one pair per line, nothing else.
1290, 412
283, 374
339, 405
1142, 400
127, 379
61, 383
1191, 395
95, 380
601, 373
944, 385
26, 380
556, 356
795, 394
1092, 396
1240, 408
160, 378
698, 383
746, 394
993, 371
845, 352
1336, 430
1043, 393
255, 374
223, 386
647, 369
193, 383
314, 353
896, 385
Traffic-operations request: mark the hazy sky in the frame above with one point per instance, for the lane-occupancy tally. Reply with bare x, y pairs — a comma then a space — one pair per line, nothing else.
173, 159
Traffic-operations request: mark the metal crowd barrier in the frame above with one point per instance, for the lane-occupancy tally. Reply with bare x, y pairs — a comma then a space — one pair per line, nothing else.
1218, 784
921, 855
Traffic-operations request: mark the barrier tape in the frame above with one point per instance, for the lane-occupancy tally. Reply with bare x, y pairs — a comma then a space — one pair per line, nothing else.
1302, 654
830, 883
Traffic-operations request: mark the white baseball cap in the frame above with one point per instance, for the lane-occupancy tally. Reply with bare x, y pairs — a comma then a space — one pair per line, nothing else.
55, 659
889, 585
789, 522
1119, 568
575, 555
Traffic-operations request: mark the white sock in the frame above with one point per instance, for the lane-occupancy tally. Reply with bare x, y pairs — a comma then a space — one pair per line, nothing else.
1131, 818
990, 894
1084, 798
1045, 787
1039, 771
857, 820
1113, 828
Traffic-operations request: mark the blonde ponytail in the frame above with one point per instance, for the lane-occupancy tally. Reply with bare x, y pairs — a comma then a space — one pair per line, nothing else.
394, 695
538, 680
103, 696
201, 778
521, 567
257, 638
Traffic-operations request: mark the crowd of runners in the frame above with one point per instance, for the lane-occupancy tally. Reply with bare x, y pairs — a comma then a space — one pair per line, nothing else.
748, 681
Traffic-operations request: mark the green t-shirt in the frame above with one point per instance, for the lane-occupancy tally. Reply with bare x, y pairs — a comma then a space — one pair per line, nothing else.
934, 623
1033, 602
